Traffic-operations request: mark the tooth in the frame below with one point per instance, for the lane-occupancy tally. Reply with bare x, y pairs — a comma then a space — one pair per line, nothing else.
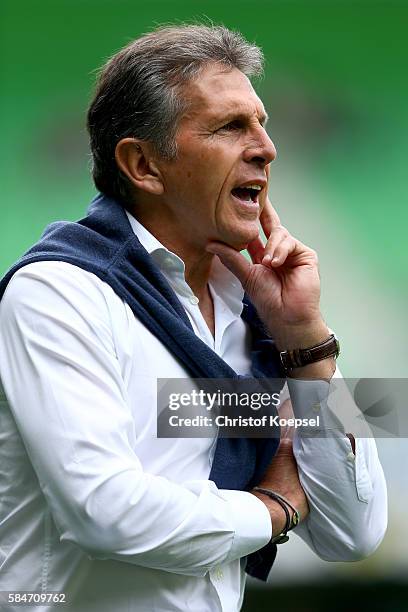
257, 187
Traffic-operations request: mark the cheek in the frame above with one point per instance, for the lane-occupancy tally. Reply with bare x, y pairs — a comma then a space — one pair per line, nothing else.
204, 174
194, 173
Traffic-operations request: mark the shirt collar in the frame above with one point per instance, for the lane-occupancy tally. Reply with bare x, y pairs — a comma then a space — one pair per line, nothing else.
222, 281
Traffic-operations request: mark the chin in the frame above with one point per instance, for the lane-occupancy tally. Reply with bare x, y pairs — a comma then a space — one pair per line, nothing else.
240, 239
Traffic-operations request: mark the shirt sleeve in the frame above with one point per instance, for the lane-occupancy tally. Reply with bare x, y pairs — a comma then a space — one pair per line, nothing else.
346, 490
63, 382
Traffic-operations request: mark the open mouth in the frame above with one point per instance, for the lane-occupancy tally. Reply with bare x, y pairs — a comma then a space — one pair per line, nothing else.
248, 193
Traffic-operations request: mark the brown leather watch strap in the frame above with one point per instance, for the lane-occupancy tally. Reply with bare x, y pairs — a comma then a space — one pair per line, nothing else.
297, 358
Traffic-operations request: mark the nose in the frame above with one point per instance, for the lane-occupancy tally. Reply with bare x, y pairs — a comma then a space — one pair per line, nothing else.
260, 149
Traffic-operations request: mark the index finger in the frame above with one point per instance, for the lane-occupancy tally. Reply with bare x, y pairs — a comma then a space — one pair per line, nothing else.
269, 218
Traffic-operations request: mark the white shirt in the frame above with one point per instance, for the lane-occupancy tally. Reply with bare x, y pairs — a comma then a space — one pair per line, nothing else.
92, 503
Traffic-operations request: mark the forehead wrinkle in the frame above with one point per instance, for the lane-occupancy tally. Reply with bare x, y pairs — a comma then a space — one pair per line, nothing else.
233, 104
241, 100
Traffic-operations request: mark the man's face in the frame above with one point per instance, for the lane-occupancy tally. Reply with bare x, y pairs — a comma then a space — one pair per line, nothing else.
215, 188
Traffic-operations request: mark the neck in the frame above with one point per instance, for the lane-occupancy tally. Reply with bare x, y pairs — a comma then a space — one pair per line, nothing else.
196, 259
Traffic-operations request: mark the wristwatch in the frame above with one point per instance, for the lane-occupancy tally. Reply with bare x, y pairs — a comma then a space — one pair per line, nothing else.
297, 358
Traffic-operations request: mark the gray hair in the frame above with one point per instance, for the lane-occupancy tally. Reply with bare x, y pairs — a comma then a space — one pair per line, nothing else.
140, 92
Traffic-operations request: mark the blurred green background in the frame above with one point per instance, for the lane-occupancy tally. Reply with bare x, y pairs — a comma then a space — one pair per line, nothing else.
337, 93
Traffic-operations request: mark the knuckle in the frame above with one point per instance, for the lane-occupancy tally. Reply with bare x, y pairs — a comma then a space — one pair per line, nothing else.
283, 230
284, 246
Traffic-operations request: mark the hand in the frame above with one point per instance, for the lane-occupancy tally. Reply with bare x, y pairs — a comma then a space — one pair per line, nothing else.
282, 281
283, 478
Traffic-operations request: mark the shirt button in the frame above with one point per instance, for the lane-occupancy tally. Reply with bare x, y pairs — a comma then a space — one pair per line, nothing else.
351, 456
218, 574
194, 300
316, 407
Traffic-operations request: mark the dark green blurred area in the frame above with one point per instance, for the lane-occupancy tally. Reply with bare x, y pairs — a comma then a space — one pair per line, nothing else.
336, 90
336, 597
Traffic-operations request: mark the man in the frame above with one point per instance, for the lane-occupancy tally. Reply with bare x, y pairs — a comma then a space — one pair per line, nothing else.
148, 285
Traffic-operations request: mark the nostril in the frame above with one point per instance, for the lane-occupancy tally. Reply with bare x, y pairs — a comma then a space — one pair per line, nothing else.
259, 159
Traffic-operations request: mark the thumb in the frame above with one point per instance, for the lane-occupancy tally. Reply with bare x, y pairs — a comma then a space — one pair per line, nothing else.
232, 259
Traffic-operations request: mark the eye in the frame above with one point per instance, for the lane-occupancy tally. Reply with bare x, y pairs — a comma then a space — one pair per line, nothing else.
231, 126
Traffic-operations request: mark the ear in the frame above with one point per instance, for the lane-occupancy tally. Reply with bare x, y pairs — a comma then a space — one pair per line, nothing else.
135, 159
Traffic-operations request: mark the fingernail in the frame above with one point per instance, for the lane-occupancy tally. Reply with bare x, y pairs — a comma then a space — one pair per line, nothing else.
266, 259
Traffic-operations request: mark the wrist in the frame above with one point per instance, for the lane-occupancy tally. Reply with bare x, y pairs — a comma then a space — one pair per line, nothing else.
304, 336
301, 335
276, 512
